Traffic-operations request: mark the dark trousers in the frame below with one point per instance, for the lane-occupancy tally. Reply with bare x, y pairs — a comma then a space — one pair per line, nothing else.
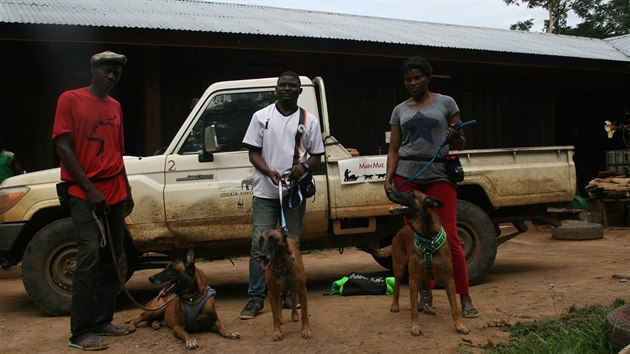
95, 284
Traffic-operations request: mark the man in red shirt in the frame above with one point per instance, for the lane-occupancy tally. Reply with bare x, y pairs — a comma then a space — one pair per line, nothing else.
88, 137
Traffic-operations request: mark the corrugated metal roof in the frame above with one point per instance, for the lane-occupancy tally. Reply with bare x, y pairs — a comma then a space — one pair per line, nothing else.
191, 15
621, 43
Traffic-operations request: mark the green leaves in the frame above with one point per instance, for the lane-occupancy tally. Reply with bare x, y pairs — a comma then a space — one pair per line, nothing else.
601, 18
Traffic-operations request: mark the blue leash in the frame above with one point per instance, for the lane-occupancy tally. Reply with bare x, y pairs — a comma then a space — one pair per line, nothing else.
283, 226
283, 221
458, 126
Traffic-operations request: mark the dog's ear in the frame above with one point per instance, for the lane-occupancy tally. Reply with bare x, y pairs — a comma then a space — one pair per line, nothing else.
430, 202
190, 258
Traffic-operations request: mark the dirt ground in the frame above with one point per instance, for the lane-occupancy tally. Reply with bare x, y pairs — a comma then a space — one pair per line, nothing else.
534, 276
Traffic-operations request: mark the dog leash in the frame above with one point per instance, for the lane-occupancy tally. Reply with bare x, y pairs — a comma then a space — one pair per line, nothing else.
458, 126
102, 223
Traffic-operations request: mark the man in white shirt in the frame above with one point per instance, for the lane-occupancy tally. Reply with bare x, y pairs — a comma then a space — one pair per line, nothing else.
279, 140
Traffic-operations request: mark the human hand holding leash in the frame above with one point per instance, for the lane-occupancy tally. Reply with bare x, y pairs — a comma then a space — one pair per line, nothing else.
461, 124
96, 200
454, 130
275, 177
297, 171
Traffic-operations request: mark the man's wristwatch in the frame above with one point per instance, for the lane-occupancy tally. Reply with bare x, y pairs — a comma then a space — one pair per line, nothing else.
306, 166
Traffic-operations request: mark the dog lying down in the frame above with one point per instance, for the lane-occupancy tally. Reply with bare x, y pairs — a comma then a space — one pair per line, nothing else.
191, 303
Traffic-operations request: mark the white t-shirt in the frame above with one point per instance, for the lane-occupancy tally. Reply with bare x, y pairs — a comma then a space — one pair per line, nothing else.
275, 134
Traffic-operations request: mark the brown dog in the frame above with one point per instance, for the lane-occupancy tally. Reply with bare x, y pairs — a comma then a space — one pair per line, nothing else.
406, 251
190, 303
284, 270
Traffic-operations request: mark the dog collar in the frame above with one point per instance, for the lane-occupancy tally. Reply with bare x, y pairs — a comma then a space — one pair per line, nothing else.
206, 294
424, 245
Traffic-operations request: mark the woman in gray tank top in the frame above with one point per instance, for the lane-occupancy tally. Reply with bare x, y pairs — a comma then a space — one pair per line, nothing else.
419, 126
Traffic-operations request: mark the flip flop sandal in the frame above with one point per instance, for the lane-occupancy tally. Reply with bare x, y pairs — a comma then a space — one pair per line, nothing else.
470, 312
90, 344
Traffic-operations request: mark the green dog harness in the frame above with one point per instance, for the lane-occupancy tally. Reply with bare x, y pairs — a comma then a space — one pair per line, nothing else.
428, 247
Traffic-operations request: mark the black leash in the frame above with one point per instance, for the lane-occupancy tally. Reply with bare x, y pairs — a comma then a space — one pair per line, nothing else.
106, 237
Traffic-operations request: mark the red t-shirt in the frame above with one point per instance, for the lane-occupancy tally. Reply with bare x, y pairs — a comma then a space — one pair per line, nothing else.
95, 125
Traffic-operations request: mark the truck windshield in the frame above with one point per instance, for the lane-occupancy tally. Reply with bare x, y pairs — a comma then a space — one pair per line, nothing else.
230, 113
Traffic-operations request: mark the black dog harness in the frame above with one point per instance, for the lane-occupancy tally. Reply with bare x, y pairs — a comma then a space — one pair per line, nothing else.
428, 247
193, 306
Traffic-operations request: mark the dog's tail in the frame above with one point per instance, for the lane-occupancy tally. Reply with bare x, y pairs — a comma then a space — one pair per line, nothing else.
380, 252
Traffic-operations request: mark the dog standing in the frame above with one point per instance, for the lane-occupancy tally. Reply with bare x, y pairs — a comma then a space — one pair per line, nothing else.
190, 303
284, 270
425, 223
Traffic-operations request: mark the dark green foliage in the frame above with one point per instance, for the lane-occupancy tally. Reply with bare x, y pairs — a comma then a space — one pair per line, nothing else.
581, 330
600, 18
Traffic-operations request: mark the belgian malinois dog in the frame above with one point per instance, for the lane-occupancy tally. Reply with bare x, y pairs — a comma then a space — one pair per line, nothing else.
284, 270
408, 250
191, 303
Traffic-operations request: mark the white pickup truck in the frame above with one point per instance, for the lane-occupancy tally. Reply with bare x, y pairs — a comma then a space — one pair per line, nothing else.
197, 193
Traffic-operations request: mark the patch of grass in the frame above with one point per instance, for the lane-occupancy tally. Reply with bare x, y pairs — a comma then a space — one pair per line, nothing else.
581, 330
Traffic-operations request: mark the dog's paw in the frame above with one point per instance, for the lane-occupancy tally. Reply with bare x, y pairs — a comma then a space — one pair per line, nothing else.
232, 335
394, 309
415, 331
132, 322
156, 324
192, 344
307, 334
461, 329
294, 316
277, 336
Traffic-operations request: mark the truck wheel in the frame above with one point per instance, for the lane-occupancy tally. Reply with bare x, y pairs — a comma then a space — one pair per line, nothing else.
48, 264
478, 238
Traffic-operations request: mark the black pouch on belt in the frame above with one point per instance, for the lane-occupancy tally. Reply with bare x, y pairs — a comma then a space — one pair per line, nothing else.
62, 193
307, 185
454, 168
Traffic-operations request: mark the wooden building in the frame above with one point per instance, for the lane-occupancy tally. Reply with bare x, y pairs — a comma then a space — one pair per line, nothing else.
524, 89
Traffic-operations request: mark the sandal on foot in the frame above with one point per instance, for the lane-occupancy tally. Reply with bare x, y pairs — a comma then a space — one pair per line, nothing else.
470, 312
89, 343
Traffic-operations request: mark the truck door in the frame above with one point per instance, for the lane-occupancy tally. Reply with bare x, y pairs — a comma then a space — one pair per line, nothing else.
210, 199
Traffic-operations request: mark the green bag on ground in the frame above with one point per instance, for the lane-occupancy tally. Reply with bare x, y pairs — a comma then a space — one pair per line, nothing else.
357, 284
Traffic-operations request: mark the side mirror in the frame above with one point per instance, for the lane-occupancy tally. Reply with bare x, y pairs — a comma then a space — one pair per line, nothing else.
210, 144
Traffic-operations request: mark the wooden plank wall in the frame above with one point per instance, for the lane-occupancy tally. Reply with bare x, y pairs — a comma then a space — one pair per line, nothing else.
514, 105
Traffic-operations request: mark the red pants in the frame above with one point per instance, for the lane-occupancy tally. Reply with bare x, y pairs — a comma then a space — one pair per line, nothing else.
447, 194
